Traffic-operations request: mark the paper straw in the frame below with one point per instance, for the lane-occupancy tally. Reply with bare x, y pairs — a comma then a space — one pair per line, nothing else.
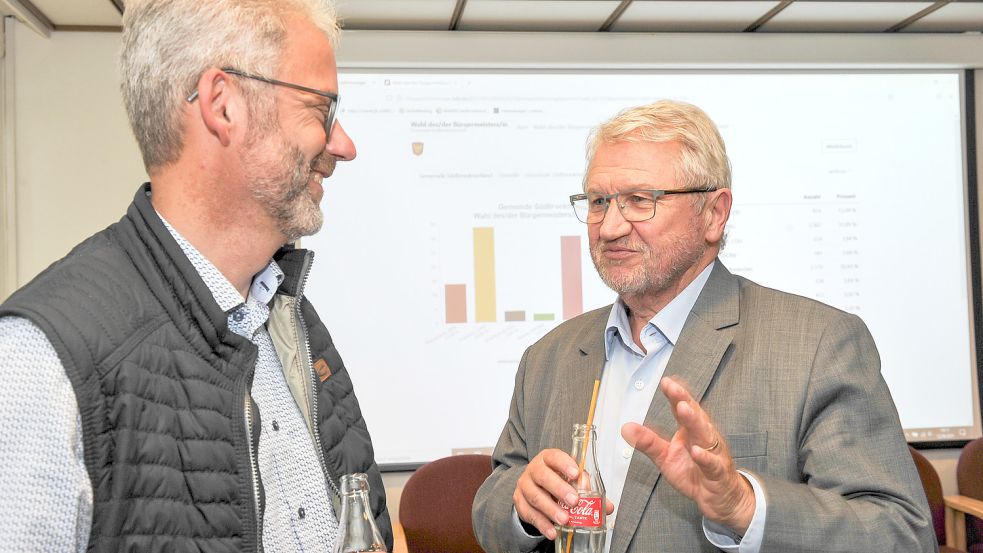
583, 453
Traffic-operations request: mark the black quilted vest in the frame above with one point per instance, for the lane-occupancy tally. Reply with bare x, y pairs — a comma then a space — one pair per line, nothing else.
161, 384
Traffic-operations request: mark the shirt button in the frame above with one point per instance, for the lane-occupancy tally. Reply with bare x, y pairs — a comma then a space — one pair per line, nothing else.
276, 426
626, 453
301, 513
639, 384
238, 316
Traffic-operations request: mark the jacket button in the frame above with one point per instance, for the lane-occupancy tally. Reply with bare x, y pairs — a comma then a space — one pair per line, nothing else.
301, 513
276, 426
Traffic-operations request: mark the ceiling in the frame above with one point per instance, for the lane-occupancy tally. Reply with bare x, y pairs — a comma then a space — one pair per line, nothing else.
715, 16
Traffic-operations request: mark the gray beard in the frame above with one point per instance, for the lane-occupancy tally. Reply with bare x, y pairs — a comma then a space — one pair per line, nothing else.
286, 197
675, 259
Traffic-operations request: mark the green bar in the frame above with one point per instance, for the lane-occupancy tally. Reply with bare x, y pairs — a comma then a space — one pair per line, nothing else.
543, 317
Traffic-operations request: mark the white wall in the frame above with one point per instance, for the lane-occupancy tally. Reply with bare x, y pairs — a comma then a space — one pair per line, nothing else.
71, 165
76, 163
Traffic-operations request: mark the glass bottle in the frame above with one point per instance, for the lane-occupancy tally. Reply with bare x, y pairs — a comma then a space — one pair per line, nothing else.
586, 528
357, 531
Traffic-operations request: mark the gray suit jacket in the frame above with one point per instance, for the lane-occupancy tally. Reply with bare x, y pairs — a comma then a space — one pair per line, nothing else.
793, 385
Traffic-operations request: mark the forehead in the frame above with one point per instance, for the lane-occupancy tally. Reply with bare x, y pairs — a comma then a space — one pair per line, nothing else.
308, 57
622, 165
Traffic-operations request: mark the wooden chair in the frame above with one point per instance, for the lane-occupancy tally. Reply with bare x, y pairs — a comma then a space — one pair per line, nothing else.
963, 512
933, 492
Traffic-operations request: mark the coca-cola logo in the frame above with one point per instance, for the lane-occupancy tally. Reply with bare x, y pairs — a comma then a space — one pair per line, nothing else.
585, 507
587, 512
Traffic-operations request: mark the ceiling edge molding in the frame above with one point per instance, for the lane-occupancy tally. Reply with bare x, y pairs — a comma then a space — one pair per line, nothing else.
89, 28
30, 15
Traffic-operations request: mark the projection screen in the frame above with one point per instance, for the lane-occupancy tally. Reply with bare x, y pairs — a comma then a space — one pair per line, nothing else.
449, 245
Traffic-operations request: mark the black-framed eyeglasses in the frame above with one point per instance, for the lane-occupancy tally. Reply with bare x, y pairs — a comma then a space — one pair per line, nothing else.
635, 205
331, 96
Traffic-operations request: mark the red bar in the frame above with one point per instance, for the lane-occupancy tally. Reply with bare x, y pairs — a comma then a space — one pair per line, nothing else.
572, 277
455, 303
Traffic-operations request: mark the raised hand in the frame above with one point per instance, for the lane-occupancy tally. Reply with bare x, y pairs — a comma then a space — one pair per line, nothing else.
696, 461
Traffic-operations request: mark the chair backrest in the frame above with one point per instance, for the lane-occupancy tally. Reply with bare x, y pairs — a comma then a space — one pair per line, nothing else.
969, 479
435, 506
933, 492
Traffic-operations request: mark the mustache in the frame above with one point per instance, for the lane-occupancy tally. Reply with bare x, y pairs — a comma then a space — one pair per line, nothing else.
324, 164
621, 243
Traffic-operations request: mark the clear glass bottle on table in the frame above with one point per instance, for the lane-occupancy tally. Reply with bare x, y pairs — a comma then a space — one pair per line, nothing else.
357, 532
586, 528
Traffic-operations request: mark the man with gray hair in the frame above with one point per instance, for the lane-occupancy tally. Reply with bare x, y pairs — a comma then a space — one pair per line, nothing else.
167, 385
775, 430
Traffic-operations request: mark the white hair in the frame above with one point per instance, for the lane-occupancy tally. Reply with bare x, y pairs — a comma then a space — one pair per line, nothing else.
703, 159
168, 44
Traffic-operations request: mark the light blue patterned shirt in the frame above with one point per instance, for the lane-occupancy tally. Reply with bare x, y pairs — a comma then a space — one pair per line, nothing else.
47, 494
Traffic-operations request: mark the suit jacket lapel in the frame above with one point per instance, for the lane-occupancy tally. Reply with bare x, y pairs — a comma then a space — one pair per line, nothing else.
583, 367
695, 358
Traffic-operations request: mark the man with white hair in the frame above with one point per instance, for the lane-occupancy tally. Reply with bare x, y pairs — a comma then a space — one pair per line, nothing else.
775, 431
167, 385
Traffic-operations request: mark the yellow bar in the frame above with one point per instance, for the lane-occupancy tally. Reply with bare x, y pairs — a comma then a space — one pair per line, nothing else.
484, 275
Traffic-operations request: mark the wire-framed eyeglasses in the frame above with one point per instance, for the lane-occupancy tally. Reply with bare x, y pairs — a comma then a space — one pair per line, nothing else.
332, 106
635, 205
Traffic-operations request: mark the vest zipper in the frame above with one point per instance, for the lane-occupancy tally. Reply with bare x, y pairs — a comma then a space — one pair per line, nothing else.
253, 464
305, 348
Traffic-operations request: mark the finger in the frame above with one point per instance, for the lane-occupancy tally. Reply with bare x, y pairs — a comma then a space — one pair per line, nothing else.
674, 390
608, 506
561, 463
541, 500
529, 514
715, 464
699, 429
545, 476
644, 439
689, 415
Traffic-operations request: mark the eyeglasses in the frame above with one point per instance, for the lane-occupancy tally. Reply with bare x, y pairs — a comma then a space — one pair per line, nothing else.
331, 96
635, 205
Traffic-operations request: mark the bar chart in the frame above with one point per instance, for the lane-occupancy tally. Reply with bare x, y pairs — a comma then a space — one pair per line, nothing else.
485, 304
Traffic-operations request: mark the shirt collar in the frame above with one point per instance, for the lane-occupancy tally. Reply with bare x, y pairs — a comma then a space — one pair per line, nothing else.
668, 321
263, 287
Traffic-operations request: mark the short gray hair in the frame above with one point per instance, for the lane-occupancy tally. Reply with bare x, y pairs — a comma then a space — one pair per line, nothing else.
703, 159
168, 44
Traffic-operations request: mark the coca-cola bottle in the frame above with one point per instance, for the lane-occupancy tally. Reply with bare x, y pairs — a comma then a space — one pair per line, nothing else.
586, 528
356, 525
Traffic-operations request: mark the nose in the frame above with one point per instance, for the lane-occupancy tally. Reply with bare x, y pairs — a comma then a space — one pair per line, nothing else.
614, 225
340, 146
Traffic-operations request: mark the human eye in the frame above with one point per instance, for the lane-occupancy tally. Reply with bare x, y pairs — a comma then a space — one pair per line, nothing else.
596, 201
638, 198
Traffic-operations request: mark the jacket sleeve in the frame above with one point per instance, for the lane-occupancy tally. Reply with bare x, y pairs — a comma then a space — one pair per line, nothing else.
491, 513
859, 489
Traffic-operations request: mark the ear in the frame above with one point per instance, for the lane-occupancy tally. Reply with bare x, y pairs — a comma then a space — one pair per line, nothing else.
219, 105
716, 213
